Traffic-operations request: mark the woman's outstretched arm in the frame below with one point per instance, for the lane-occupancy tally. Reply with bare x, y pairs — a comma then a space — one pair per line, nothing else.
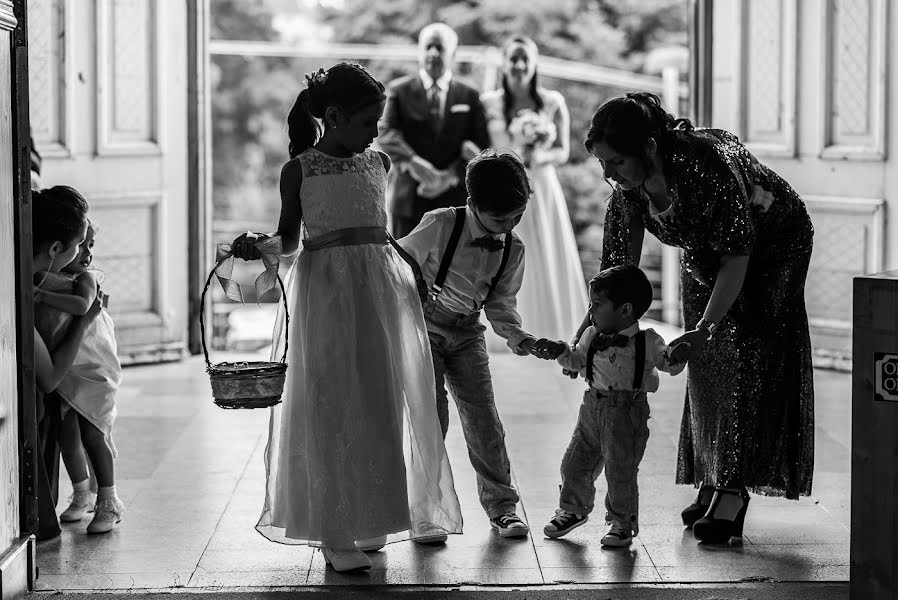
49, 369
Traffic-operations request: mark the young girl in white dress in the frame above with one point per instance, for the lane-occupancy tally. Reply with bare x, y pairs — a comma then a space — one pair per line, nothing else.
355, 457
88, 388
553, 292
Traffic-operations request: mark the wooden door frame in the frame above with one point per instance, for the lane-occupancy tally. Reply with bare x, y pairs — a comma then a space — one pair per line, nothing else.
18, 568
21, 127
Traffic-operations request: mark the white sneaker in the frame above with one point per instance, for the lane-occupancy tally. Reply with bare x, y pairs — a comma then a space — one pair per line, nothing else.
618, 536
346, 560
372, 544
80, 504
107, 514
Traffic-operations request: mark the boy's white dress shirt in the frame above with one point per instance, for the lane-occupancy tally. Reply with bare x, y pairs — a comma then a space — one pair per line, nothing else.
471, 271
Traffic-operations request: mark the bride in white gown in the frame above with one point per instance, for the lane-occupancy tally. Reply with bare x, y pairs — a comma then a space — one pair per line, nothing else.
534, 122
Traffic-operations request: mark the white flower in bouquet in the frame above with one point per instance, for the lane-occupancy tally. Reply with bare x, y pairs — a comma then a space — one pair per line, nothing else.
532, 129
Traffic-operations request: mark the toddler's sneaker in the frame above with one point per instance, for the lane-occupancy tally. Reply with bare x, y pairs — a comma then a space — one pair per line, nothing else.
563, 523
107, 514
80, 504
509, 525
618, 536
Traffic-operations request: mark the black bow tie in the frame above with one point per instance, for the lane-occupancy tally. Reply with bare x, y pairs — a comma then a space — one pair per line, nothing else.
603, 341
490, 243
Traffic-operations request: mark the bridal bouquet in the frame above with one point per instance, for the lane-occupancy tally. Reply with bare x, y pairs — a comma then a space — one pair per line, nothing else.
532, 130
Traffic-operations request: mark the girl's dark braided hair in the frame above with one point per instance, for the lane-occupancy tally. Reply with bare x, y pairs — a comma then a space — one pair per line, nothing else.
348, 86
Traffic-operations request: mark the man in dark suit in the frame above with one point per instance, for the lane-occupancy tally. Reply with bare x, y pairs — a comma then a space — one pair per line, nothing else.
432, 125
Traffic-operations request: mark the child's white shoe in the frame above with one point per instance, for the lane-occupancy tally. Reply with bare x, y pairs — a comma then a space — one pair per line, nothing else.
372, 544
80, 504
346, 560
429, 535
107, 514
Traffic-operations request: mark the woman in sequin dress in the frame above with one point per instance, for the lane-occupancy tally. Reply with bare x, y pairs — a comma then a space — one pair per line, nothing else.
748, 419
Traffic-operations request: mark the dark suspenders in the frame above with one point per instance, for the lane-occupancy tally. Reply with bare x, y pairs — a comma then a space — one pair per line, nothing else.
640, 360
639, 363
437, 287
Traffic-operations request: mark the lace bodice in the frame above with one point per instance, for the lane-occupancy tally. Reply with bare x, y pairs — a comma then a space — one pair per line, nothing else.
338, 193
494, 106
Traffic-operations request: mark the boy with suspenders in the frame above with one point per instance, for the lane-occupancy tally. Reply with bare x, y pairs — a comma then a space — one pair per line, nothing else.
467, 259
619, 362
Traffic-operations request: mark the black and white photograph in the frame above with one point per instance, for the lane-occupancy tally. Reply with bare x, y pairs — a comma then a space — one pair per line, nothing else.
449, 299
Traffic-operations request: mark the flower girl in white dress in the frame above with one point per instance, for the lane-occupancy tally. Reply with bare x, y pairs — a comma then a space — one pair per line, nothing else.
355, 456
534, 122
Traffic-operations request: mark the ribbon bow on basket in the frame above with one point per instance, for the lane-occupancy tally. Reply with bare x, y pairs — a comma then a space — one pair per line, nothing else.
253, 384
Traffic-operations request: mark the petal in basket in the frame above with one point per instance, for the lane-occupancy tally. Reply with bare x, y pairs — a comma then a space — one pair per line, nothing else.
254, 384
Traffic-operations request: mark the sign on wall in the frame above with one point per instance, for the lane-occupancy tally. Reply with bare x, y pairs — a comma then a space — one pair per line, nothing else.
885, 369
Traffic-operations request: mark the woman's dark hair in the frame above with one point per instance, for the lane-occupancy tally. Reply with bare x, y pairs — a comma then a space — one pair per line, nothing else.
57, 215
534, 89
624, 283
347, 86
626, 123
497, 182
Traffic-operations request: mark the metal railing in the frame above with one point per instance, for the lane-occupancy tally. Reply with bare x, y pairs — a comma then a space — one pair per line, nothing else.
668, 86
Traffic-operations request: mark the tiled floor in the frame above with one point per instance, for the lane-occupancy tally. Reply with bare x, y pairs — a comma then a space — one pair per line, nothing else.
192, 477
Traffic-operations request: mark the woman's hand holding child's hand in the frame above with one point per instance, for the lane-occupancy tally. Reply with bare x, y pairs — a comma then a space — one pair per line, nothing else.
679, 353
687, 346
244, 246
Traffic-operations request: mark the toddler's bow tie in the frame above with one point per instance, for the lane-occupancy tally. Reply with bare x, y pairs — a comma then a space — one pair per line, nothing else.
603, 341
488, 242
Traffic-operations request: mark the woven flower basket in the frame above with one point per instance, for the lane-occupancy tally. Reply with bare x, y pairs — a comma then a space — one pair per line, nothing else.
254, 384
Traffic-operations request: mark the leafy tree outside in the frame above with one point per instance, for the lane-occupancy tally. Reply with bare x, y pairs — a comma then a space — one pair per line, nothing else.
251, 96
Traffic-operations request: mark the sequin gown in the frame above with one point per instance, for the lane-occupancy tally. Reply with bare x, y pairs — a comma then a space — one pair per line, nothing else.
749, 410
355, 449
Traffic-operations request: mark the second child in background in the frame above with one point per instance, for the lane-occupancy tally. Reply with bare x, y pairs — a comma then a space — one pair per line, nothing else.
88, 389
471, 260
619, 362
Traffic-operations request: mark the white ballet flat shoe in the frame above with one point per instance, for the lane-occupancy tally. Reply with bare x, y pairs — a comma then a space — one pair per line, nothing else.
372, 544
346, 560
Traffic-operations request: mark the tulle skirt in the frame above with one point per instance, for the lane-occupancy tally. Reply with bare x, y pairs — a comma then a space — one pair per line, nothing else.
355, 449
91, 383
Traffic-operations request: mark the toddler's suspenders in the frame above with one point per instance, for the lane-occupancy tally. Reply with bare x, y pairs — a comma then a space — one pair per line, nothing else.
639, 365
640, 360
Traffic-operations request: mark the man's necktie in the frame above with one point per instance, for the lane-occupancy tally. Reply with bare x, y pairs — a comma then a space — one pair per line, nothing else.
433, 108
488, 242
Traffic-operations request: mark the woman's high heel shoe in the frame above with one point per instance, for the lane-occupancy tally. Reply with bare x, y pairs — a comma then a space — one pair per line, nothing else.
697, 509
714, 527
